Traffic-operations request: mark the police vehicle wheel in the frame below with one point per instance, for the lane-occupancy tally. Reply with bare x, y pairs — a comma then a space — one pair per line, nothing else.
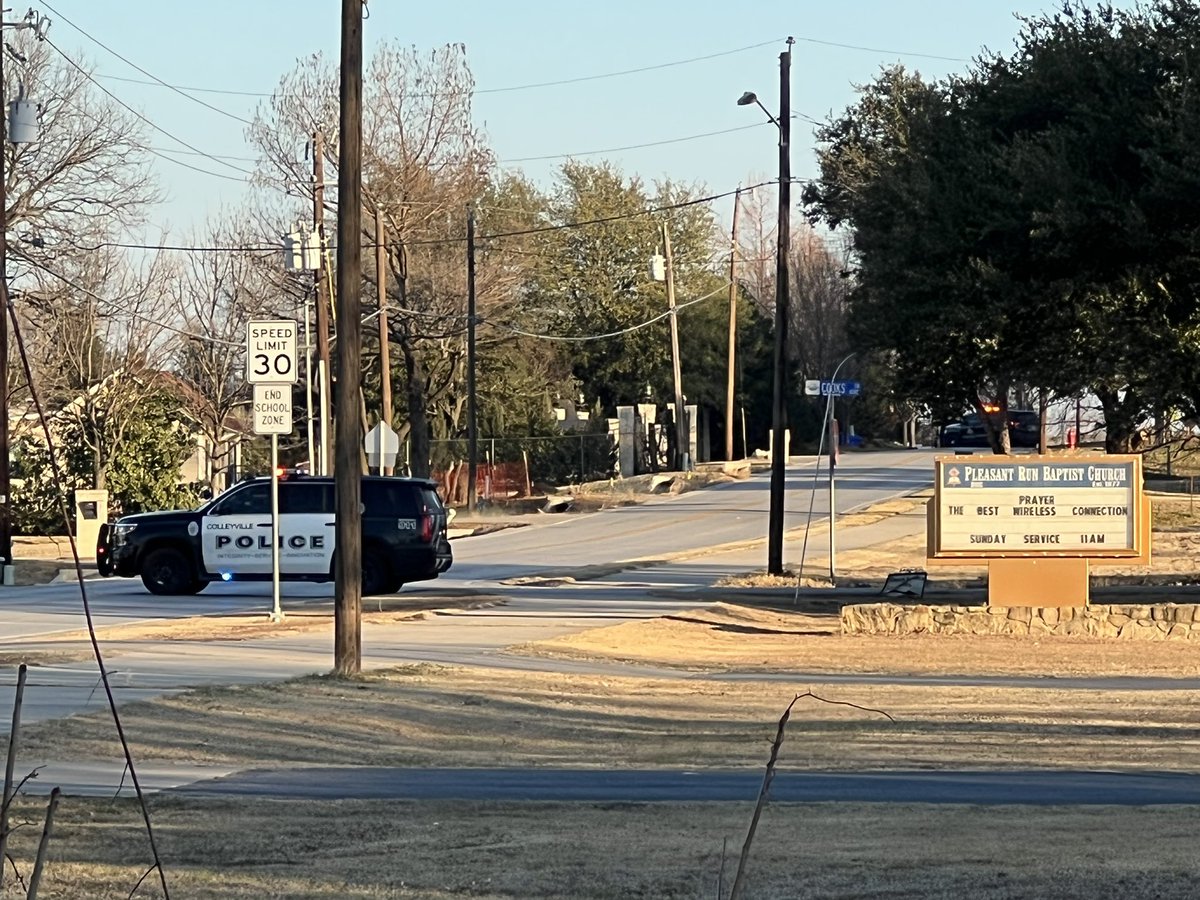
166, 572
377, 577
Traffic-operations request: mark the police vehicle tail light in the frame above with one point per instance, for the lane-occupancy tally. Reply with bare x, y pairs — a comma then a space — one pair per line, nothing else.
425, 527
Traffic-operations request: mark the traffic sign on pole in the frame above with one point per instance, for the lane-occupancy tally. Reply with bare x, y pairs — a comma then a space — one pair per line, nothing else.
271, 351
841, 388
382, 446
272, 409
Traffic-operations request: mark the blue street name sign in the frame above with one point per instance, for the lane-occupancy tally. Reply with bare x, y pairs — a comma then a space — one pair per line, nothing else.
841, 388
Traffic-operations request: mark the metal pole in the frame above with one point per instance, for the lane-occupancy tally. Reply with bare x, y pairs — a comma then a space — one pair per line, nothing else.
472, 421
5, 472
347, 627
308, 385
833, 460
385, 358
322, 296
680, 463
13, 743
729, 391
276, 608
775, 520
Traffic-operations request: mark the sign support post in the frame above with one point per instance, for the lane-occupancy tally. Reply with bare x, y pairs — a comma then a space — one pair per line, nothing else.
833, 460
1038, 522
271, 368
276, 607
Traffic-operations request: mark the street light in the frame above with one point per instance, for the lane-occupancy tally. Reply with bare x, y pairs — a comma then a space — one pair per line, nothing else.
780, 379
22, 129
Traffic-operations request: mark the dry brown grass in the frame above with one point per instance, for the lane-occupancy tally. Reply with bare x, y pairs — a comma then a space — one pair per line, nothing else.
431, 715
250, 850
248, 626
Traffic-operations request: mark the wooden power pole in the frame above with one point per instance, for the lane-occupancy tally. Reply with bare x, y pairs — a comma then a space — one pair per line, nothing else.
729, 385
322, 292
681, 431
472, 423
385, 357
347, 627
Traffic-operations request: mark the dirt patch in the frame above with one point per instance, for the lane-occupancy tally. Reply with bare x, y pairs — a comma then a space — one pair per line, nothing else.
10, 659
807, 638
28, 572
247, 850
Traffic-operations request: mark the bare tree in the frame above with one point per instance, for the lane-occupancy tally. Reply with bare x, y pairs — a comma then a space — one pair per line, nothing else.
72, 190
424, 164
99, 335
817, 283
86, 177
216, 293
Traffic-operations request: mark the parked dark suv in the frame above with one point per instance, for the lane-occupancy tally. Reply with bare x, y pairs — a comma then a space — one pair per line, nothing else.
229, 538
1024, 428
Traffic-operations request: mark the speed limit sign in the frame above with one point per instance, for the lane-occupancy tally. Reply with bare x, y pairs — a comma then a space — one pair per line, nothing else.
271, 352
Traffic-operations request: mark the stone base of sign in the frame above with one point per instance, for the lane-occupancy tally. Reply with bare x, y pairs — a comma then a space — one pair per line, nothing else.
1157, 622
1037, 582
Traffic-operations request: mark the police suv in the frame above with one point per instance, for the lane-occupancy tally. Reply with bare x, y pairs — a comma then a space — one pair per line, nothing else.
229, 538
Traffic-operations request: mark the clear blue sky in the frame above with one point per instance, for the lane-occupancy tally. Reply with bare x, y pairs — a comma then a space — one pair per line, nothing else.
246, 45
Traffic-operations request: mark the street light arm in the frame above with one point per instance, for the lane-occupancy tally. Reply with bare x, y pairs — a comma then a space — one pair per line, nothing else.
774, 121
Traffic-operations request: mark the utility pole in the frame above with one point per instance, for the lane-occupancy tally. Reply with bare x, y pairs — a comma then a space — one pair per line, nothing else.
780, 388
472, 423
24, 130
680, 462
347, 624
729, 389
5, 471
322, 294
385, 356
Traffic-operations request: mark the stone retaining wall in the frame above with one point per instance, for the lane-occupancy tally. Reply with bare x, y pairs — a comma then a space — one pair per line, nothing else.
1157, 622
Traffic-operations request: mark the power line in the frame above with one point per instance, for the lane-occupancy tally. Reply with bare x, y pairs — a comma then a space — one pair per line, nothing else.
809, 40
496, 90
86, 74
160, 152
134, 65
266, 248
246, 159
619, 333
652, 68
109, 302
562, 81
678, 140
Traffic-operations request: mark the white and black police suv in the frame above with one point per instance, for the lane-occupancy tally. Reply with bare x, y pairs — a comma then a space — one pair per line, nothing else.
229, 538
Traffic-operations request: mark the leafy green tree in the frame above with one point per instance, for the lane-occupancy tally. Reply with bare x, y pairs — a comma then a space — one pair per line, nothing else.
593, 282
142, 476
1029, 221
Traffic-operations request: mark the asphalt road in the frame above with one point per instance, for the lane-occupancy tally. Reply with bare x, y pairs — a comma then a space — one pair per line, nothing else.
718, 515
661, 527
1032, 788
